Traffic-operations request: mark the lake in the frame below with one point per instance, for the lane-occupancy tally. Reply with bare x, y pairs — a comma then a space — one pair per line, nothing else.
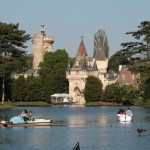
95, 128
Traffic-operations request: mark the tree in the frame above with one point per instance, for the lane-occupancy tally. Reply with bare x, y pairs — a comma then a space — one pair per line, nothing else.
147, 89
29, 61
33, 89
113, 93
117, 59
100, 38
19, 89
12, 53
138, 52
131, 93
93, 89
53, 73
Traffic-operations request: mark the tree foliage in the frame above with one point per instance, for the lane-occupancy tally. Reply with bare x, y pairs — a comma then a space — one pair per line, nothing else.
53, 73
19, 89
124, 94
93, 89
138, 52
12, 53
113, 93
100, 38
117, 59
147, 89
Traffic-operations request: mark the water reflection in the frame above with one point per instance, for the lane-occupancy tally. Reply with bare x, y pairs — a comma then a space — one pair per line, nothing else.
103, 120
6, 141
77, 120
82, 121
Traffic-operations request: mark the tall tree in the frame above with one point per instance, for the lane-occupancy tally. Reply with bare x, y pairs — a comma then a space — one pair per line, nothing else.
93, 89
138, 52
100, 38
117, 59
19, 89
53, 73
147, 90
12, 53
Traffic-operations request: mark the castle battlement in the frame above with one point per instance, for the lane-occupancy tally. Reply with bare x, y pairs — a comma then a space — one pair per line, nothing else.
48, 39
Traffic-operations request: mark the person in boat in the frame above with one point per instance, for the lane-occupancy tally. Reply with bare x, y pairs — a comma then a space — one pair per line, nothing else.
119, 111
24, 114
129, 112
122, 112
30, 116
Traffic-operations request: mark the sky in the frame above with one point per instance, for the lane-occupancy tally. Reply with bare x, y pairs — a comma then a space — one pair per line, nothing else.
68, 20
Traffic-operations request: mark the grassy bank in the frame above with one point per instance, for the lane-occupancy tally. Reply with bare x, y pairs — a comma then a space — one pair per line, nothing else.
99, 103
8, 105
31, 104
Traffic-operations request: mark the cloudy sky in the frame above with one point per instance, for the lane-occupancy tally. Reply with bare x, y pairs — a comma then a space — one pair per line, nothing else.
68, 20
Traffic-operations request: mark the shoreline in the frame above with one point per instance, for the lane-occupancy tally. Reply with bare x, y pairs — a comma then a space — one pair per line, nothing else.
10, 105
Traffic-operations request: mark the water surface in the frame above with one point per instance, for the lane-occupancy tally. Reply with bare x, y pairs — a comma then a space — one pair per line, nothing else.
95, 128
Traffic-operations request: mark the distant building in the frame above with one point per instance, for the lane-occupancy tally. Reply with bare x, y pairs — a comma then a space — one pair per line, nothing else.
126, 77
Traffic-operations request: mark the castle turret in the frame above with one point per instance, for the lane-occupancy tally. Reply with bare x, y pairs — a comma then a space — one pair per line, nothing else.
41, 44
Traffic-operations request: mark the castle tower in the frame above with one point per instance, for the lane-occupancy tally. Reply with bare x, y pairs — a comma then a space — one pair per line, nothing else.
77, 75
41, 44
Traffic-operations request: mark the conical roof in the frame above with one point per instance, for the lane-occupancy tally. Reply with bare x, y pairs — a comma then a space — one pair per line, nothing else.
82, 50
81, 60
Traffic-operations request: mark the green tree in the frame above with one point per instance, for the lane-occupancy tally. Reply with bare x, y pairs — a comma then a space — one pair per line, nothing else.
29, 61
147, 90
131, 93
53, 73
12, 53
117, 59
113, 93
100, 38
33, 89
138, 52
93, 89
19, 89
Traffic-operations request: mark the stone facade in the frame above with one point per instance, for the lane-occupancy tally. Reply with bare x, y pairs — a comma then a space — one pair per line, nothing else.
41, 44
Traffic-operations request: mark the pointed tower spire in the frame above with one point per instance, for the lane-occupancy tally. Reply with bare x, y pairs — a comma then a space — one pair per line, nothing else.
81, 56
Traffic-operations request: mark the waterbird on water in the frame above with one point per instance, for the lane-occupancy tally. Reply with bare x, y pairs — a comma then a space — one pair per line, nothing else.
141, 130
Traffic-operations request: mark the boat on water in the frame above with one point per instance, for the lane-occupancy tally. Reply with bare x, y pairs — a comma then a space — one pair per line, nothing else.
18, 121
125, 118
62, 99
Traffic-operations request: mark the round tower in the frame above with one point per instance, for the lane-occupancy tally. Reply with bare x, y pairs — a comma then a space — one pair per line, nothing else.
41, 44
38, 44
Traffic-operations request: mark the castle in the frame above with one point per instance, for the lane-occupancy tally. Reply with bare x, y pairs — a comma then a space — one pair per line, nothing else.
85, 66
